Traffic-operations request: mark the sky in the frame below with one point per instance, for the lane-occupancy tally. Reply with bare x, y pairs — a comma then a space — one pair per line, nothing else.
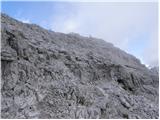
131, 26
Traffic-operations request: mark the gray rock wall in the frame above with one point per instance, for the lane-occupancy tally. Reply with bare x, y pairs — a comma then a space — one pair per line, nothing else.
46, 74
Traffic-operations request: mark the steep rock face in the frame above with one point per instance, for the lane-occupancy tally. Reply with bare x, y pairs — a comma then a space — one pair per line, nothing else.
54, 75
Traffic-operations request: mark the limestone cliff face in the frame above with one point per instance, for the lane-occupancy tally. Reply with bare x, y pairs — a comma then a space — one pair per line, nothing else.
46, 74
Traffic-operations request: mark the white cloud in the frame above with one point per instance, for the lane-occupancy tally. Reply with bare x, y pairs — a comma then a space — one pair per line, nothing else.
150, 53
24, 20
19, 17
70, 26
118, 23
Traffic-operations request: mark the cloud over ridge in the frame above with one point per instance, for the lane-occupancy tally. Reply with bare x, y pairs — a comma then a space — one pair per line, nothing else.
131, 26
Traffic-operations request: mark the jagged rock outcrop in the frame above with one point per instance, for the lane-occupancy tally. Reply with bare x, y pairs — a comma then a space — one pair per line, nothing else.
46, 74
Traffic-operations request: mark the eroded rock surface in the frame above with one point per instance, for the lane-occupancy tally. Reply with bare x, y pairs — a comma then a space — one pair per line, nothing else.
46, 74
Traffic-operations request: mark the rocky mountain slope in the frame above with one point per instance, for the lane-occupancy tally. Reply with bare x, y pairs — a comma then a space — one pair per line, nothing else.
47, 74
